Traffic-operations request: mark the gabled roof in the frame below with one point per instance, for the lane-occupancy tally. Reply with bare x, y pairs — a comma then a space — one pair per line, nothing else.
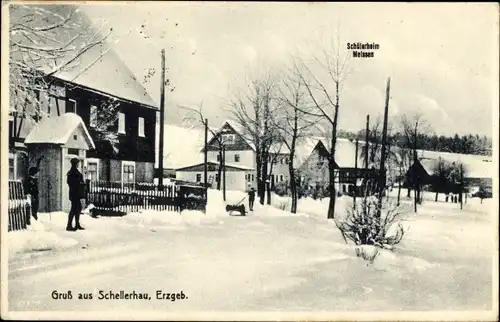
98, 68
475, 166
57, 130
238, 129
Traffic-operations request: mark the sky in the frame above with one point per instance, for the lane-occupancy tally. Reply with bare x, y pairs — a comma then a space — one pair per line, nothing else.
442, 58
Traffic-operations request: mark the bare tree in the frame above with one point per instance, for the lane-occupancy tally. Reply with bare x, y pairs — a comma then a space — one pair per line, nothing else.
254, 110
196, 118
294, 124
45, 40
413, 127
332, 65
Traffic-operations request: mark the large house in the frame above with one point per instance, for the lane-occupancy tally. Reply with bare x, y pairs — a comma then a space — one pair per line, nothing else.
100, 77
240, 151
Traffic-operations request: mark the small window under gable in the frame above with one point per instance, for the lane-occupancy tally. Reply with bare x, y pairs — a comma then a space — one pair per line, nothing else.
228, 139
236, 158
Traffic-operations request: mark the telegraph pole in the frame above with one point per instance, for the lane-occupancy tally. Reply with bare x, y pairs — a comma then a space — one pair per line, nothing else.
162, 119
356, 174
224, 173
205, 154
384, 139
367, 131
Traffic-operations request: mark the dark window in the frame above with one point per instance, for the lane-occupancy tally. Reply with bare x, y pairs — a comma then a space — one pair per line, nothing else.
198, 177
216, 177
73, 151
281, 177
70, 106
236, 158
218, 157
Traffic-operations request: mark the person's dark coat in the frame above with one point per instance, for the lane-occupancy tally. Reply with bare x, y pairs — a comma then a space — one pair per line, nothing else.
76, 185
31, 187
251, 194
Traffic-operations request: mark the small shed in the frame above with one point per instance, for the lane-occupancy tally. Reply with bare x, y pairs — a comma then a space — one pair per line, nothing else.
56, 140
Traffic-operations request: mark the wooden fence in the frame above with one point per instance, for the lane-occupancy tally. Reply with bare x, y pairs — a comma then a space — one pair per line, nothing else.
117, 199
19, 208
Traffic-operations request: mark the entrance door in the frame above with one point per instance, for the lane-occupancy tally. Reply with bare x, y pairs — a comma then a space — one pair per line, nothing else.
66, 204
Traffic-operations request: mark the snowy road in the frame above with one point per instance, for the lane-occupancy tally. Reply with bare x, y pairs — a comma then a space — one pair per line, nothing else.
294, 263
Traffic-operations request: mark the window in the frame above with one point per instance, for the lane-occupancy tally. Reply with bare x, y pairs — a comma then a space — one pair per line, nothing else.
236, 158
281, 177
128, 174
73, 151
141, 127
198, 177
253, 178
121, 123
70, 106
216, 177
93, 116
227, 138
218, 157
92, 171
12, 166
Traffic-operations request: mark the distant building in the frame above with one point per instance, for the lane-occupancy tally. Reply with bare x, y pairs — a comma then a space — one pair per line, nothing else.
478, 169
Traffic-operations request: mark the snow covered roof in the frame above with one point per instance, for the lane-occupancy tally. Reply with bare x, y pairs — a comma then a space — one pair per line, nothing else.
475, 166
303, 149
57, 130
241, 131
345, 151
182, 146
98, 68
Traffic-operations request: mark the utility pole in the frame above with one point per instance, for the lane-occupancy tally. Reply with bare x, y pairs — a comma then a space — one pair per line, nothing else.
205, 154
367, 133
461, 185
356, 174
224, 173
382, 178
162, 119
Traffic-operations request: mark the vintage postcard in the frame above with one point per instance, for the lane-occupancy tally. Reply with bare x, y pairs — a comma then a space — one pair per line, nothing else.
249, 161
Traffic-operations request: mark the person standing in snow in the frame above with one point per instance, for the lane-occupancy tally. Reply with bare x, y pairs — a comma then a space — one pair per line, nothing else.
31, 188
76, 186
251, 198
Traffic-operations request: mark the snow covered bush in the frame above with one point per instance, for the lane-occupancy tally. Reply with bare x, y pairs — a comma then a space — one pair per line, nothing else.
364, 224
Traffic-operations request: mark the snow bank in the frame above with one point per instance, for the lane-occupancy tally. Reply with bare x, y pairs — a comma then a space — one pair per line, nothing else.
36, 238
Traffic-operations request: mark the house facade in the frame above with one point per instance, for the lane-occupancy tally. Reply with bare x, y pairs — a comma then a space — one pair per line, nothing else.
240, 152
128, 158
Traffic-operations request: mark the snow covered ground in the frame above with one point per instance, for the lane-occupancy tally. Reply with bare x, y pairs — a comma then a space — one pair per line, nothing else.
269, 260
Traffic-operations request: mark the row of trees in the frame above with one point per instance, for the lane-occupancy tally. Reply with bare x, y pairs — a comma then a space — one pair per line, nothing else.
465, 144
